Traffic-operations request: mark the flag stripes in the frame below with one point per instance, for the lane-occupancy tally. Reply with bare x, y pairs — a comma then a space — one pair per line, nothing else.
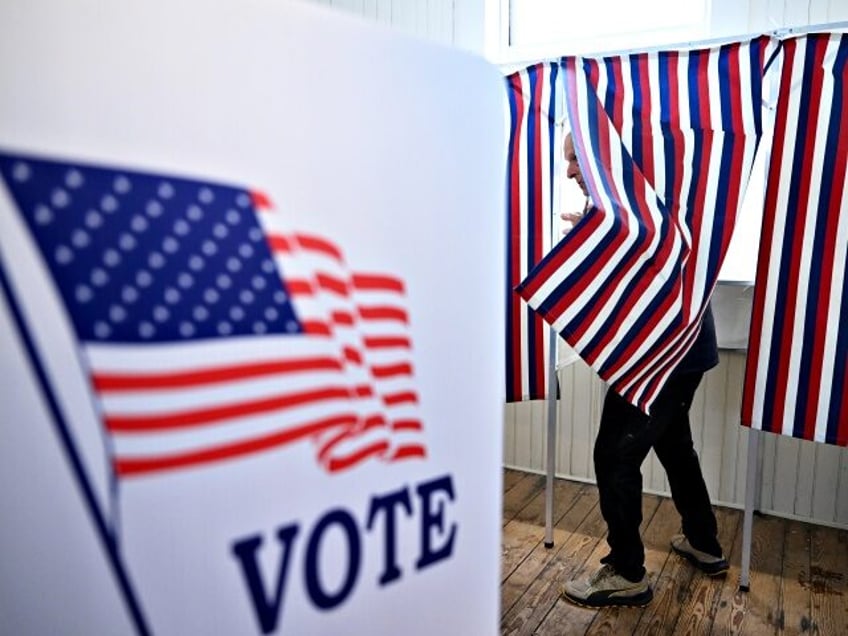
533, 153
666, 141
208, 331
797, 373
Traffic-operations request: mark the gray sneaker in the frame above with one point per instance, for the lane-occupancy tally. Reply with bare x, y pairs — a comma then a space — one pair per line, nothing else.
606, 588
707, 563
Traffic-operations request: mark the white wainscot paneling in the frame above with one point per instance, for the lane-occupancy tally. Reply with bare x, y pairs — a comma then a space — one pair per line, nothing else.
799, 479
433, 20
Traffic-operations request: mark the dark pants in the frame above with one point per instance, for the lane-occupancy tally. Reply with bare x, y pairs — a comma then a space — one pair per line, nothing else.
624, 438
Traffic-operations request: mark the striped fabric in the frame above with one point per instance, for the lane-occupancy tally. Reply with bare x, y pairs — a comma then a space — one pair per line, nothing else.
666, 141
533, 154
797, 375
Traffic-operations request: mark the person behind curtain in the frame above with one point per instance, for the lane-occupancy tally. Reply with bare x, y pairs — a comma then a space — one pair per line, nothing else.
624, 438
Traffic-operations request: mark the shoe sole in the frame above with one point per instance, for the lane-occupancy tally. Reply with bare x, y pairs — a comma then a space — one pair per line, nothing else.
710, 569
639, 600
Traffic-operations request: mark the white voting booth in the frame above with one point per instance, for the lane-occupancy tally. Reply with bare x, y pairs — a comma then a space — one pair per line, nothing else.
387, 148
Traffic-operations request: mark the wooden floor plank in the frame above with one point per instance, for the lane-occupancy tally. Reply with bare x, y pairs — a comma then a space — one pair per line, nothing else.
520, 494
581, 502
566, 618
511, 477
798, 578
526, 530
828, 580
795, 597
665, 575
701, 601
754, 612
543, 592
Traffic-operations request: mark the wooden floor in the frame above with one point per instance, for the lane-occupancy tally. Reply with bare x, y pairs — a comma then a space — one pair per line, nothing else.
798, 582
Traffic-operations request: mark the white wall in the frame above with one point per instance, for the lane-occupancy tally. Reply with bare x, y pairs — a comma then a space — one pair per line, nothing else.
466, 24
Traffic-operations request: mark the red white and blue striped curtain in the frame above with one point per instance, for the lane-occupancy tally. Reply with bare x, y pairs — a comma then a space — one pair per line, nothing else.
534, 151
797, 375
666, 141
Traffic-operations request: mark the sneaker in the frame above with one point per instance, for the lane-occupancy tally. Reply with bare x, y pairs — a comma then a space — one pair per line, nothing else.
606, 588
707, 563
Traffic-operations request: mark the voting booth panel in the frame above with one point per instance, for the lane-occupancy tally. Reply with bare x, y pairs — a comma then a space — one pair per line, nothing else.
251, 323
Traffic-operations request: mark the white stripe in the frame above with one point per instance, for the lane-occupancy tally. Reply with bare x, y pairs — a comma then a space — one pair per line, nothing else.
714, 88
688, 141
745, 83
657, 140
547, 211
203, 354
627, 98
523, 189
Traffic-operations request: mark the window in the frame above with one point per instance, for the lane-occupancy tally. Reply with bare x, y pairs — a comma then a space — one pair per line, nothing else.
539, 29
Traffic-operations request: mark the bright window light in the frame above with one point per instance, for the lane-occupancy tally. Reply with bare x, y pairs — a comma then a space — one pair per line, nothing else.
534, 22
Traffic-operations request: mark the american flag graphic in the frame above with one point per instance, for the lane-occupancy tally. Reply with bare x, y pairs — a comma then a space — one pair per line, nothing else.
208, 332
665, 141
796, 379
533, 153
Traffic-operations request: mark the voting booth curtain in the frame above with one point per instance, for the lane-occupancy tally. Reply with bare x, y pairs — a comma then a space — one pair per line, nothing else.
666, 141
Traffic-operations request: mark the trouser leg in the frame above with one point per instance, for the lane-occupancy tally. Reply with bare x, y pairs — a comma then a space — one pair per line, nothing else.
622, 444
676, 452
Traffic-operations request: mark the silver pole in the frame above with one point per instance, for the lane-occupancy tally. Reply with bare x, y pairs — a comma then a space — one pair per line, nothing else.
551, 454
752, 483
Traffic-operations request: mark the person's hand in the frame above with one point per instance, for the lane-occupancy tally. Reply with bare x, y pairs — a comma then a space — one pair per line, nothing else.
572, 218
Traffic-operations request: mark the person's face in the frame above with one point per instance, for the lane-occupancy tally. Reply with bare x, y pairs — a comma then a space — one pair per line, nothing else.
572, 170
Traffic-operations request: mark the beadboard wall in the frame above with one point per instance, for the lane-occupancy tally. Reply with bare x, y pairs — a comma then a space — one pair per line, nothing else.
800, 479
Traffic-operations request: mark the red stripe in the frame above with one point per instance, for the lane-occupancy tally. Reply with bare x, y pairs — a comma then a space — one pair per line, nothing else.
676, 134
618, 96
409, 451
141, 381
364, 391
260, 200
344, 318
352, 355
205, 417
647, 111
316, 328
318, 244
383, 313
279, 243
537, 345
387, 343
127, 467
391, 370
738, 146
515, 238
299, 287
407, 425
332, 284
402, 397
375, 449
377, 282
